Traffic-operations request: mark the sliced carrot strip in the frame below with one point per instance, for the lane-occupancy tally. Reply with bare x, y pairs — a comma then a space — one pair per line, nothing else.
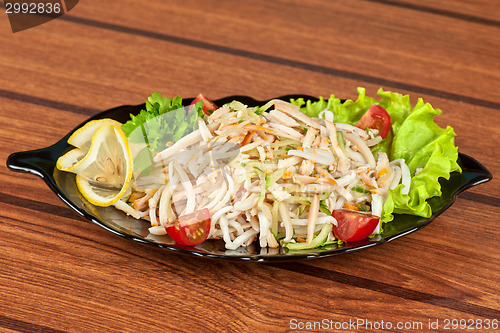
247, 138
351, 207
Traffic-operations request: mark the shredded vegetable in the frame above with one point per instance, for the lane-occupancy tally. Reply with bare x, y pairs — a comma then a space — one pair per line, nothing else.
281, 163
275, 174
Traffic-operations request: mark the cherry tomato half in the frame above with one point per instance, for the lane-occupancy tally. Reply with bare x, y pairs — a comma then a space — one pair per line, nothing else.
376, 118
208, 105
191, 229
353, 226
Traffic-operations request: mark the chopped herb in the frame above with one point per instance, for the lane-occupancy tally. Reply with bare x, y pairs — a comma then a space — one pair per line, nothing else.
360, 190
325, 196
364, 208
324, 208
258, 110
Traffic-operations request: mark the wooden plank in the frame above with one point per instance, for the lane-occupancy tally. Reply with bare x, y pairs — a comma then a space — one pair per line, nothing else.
368, 56
149, 282
460, 235
454, 252
60, 272
287, 33
481, 12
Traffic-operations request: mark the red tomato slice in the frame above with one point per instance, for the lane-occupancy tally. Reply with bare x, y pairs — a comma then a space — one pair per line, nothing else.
353, 226
191, 229
376, 118
208, 105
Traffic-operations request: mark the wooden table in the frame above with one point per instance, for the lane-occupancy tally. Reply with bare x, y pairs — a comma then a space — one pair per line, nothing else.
61, 273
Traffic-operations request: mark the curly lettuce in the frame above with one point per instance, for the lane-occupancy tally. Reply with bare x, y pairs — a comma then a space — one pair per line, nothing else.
430, 153
428, 150
162, 121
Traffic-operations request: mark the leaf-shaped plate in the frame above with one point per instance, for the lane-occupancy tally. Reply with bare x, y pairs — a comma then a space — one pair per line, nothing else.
42, 163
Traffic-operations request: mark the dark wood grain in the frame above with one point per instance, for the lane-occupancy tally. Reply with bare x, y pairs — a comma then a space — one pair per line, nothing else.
62, 273
485, 13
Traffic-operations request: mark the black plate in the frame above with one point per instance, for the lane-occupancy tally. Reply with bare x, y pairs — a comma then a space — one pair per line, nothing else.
42, 163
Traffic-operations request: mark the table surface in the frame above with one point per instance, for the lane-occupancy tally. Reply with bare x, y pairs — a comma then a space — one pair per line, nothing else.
60, 272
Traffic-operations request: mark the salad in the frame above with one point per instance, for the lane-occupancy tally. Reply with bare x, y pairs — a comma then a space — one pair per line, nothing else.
299, 174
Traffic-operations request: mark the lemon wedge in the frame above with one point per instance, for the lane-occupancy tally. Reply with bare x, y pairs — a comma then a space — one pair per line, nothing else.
82, 137
103, 175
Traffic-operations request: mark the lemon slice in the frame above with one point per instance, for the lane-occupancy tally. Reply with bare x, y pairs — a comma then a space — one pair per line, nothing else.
67, 161
82, 137
103, 175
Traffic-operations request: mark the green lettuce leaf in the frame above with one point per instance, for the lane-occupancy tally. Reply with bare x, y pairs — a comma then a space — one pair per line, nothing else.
428, 150
430, 153
348, 112
164, 120
312, 109
397, 105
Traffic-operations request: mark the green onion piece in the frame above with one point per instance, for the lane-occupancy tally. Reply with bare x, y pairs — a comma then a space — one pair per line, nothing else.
302, 207
324, 196
363, 208
360, 190
324, 208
